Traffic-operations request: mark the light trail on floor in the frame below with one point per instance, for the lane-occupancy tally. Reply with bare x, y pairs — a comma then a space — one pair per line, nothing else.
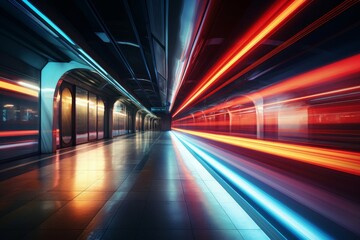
344, 161
234, 211
296, 224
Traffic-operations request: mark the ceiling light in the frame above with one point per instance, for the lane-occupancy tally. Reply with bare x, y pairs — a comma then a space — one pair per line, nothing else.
103, 37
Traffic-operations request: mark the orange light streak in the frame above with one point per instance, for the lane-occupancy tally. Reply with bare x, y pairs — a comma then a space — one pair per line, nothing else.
226, 65
314, 95
310, 28
214, 109
344, 161
17, 88
324, 75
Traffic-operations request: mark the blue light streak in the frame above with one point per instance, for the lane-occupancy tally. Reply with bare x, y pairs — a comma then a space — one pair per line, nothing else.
299, 226
128, 43
48, 21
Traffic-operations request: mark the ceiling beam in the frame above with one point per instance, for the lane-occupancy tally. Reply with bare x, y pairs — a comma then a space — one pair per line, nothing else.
135, 31
113, 42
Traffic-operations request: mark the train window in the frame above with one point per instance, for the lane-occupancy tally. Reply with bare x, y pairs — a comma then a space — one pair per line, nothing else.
119, 119
81, 115
138, 121
100, 118
66, 116
92, 117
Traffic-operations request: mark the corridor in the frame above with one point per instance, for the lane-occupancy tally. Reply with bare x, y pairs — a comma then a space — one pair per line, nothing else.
138, 186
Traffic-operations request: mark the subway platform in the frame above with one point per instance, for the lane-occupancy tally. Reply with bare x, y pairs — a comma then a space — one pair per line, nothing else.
137, 186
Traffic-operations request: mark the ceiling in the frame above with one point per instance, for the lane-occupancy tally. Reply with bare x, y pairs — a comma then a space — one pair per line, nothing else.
160, 50
136, 42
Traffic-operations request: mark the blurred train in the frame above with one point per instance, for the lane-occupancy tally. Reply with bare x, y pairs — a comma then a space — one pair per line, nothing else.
320, 107
297, 141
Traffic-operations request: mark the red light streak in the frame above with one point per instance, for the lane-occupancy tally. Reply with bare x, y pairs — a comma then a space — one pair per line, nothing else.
315, 95
344, 161
328, 74
241, 49
18, 133
316, 24
278, 102
324, 75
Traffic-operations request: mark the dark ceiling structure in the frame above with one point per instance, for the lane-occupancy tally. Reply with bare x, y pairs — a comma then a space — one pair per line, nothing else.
136, 42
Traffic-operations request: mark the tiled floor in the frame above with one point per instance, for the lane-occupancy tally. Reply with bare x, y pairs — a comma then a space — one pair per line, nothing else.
143, 186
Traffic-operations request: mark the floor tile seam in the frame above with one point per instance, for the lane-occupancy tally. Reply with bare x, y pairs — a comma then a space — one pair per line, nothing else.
132, 172
113, 213
147, 153
138, 218
128, 174
49, 191
43, 158
61, 229
40, 223
167, 228
27, 201
239, 228
211, 191
211, 228
188, 211
67, 202
187, 208
113, 191
220, 203
82, 228
51, 156
101, 237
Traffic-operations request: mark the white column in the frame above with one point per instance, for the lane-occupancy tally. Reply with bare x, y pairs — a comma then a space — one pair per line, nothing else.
259, 107
50, 76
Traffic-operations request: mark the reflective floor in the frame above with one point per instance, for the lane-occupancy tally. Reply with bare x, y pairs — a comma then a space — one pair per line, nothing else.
140, 186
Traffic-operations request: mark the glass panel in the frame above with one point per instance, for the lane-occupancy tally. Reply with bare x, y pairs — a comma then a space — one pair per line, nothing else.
100, 119
66, 116
19, 119
92, 116
138, 122
129, 123
119, 119
81, 115
115, 130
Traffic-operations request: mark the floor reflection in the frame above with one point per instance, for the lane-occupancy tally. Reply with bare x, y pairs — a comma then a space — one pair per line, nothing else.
145, 185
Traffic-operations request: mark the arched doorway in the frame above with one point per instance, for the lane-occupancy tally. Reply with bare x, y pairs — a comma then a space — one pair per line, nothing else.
66, 116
